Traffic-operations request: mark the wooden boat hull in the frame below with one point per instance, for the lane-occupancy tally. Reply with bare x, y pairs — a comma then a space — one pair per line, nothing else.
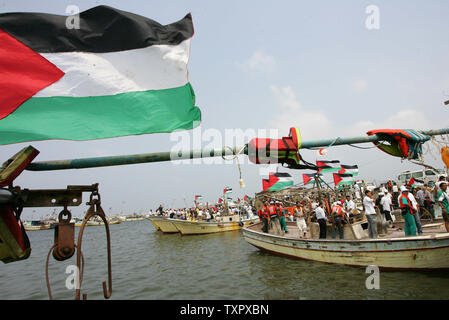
419, 252
36, 228
163, 224
186, 227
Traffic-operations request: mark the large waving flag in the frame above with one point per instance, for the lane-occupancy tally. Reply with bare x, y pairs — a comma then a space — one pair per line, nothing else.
328, 166
118, 74
354, 170
343, 179
277, 181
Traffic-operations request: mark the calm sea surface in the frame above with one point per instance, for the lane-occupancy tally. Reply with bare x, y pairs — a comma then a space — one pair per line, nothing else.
147, 264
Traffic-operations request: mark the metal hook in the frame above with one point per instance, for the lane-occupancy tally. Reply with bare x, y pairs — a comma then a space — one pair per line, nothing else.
95, 210
47, 278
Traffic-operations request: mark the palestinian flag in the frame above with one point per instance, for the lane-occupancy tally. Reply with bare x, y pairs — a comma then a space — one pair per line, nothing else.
277, 181
343, 179
354, 170
198, 198
309, 178
220, 200
118, 74
245, 197
328, 166
227, 190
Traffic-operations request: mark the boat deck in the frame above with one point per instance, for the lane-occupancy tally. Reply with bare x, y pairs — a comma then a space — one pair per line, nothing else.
293, 231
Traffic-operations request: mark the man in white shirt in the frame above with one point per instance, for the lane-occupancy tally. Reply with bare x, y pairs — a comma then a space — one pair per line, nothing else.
395, 195
321, 218
370, 213
349, 205
420, 197
385, 204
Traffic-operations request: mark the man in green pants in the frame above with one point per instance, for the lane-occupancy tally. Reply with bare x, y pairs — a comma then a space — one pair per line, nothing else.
281, 215
407, 212
443, 201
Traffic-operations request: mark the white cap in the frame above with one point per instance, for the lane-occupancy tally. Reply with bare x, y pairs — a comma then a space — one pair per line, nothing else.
440, 182
381, 194
403, 188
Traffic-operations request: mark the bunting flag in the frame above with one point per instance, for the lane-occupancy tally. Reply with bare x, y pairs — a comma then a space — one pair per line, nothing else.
119, 74
415, 182
354, 170
343, 179
277, 181
310, 178
328, 166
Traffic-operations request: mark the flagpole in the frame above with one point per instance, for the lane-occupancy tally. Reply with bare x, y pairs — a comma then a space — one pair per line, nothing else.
83, 163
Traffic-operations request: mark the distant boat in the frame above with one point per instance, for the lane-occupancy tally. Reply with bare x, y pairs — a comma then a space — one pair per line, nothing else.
224, 223
35, 225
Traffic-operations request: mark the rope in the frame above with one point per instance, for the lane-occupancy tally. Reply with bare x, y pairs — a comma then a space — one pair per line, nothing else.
236, 156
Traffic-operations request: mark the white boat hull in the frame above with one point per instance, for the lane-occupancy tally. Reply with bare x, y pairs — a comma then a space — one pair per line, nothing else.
186, 227
420, 252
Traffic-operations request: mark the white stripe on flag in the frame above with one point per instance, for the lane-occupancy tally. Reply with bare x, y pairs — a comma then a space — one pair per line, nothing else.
101, 74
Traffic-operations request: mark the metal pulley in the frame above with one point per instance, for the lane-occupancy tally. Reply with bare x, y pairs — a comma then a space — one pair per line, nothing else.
64, 244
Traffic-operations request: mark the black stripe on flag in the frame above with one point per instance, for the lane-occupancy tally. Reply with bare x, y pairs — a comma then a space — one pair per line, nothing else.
282, 175
344, 166
344, 175
102, 29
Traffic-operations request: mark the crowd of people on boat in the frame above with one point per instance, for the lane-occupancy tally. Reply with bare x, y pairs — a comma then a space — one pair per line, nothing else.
208, 214
414, 203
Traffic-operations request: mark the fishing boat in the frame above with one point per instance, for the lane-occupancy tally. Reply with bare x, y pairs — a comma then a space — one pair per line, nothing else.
163, 224
390, 251
222, 224
134, 217
35, 225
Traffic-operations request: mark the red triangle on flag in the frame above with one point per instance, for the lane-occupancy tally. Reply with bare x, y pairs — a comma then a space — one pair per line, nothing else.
306, 178
411, 182
267, 184
27, 73
337, 179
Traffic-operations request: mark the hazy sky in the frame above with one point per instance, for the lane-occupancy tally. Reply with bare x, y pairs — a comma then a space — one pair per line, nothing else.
265, 65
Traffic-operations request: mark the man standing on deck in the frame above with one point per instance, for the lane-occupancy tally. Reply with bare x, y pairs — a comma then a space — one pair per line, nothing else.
407, 212
337, 215
417, 210
443, 202
370, 213
264, 216
385, 205
395, 195
300, 220
281, 215
321, 217
274, 221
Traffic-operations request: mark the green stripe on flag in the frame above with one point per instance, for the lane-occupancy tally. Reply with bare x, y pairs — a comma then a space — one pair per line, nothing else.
280, 185
97, 117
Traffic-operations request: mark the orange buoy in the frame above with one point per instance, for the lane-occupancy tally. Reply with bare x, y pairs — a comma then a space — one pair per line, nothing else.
445, 155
